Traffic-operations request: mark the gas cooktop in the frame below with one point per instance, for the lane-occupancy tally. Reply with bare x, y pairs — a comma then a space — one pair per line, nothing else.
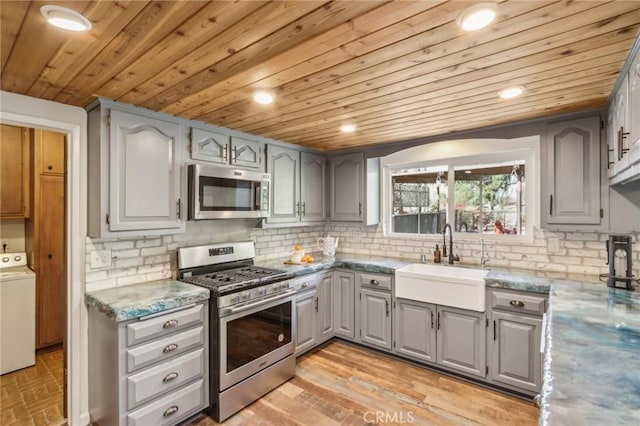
228, 280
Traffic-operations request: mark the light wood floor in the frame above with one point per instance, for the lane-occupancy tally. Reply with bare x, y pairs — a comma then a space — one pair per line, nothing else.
343, 384
33, 395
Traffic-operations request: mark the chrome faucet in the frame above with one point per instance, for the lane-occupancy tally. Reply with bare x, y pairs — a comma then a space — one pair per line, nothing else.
484, 258
452, 258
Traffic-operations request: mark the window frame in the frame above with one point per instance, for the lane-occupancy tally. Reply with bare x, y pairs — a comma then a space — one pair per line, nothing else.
476, 152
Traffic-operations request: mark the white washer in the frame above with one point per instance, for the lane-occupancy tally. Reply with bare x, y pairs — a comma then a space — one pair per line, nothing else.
17, 313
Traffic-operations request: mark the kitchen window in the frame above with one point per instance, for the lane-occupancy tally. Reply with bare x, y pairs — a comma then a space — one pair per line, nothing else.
480, 194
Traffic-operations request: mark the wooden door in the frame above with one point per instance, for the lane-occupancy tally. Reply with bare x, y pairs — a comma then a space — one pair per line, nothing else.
14, 172
312, 187
344, 304
324, 308
461, 340
515, 355
210, 146
284, 166
414, 330
375, 318
247, 153
305, 317
347, 187
52, 152
50, 275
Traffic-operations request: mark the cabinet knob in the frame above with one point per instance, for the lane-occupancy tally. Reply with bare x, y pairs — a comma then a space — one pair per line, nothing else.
374, 282
169, 377
171, 410
50, 256
170, 348
170, 323
50, 167
516, 303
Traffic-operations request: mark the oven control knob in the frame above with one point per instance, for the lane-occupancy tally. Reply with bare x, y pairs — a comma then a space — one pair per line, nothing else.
245, 295
284, 286
262, 291
235, 299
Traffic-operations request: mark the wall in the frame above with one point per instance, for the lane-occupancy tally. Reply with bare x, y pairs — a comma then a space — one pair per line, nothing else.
12, 232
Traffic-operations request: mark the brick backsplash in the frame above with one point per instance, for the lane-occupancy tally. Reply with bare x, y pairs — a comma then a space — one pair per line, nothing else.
152, 258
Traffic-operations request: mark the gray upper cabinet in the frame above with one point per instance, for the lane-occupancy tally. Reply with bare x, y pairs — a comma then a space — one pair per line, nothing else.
134, 174
573, 161
375, 318
344, 290
223, 148
461, 340
298, 186
634, 110
347, 187
414, 331
515, 358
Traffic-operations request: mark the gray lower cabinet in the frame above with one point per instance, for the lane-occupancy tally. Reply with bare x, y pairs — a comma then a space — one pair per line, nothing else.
324, 308
461, 337
414, 330
305, 320
150, 371
375, 309
344, 304
313, 312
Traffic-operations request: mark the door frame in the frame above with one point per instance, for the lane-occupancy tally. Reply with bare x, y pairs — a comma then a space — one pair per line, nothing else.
27, 111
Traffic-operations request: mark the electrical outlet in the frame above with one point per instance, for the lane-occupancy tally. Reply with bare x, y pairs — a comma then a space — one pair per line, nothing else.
100, 259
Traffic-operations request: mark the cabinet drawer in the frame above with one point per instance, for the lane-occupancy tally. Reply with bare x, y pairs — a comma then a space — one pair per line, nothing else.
515, 302
170, 409
138, 332
164, 348
157, 380
382, 282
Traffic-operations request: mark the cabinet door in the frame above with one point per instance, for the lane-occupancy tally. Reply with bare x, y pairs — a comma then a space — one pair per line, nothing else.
515, 356
621, 111
14, 172
612, 142
634, 110
247, 153
375, 318
312, 187
347, 187
51, 264
305, 317
461, 340
51, 152
324, 308
145, 173
344, 304
283, 164
573, 172
414, 328
210, 146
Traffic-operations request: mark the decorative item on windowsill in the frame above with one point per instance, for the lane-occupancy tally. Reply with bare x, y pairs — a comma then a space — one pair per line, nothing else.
619, 259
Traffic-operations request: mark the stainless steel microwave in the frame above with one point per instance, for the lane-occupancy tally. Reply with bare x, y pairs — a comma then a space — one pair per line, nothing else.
223, 193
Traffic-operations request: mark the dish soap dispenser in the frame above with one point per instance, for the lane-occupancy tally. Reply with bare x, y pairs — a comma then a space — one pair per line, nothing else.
437, 256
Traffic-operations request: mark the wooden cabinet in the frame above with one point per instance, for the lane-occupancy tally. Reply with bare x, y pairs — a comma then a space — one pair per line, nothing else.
138, 381
354, 189
15, 172
223, 148
344, 290
461, 337
134, 174
513, 342
573, 172
314, 316
375, 309
297, 186
45, 235
414, 331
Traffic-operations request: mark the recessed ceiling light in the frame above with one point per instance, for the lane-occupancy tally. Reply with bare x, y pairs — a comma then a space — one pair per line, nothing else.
477, 16
511, 92
263, 97
468, 172
64, 18
348, 128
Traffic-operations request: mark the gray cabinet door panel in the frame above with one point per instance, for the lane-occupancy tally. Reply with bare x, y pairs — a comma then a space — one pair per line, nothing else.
414, 330
312, 187
347, 187
246, 153
375, 318
516, 359
324, 307
305, 321
344, 304
209, 146
461, 340
283, 164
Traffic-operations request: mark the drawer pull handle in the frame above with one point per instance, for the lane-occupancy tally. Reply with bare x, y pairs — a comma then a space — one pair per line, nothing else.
170, 323
170, 348
516, 303
171, 410
374, 282
169, 377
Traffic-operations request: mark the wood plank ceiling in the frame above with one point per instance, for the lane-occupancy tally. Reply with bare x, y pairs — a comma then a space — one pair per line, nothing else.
398, 70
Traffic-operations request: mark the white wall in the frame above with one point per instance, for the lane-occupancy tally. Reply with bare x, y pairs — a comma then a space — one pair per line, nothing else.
12, 232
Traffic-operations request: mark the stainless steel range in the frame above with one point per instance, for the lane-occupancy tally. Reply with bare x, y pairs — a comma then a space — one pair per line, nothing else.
251, 323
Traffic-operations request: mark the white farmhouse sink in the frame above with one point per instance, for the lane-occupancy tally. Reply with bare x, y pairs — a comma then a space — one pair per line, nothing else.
443, 285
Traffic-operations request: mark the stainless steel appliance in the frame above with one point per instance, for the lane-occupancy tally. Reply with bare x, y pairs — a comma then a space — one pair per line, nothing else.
619, 259
251, 323
221, 192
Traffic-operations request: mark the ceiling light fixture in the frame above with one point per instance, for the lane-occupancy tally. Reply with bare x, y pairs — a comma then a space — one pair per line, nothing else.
511, 92
263, 97
477, 16
348, 128
468, 172
64, 18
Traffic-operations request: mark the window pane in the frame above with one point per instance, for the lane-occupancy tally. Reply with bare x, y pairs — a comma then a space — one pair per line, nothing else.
419, 201
490, 199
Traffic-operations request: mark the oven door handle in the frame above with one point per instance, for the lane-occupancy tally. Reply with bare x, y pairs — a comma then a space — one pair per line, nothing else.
260, 302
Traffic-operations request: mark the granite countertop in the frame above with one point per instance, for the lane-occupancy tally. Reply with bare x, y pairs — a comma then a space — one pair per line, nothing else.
138, 300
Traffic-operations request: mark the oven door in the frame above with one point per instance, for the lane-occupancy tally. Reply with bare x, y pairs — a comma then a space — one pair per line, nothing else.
253, 337
219, 192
